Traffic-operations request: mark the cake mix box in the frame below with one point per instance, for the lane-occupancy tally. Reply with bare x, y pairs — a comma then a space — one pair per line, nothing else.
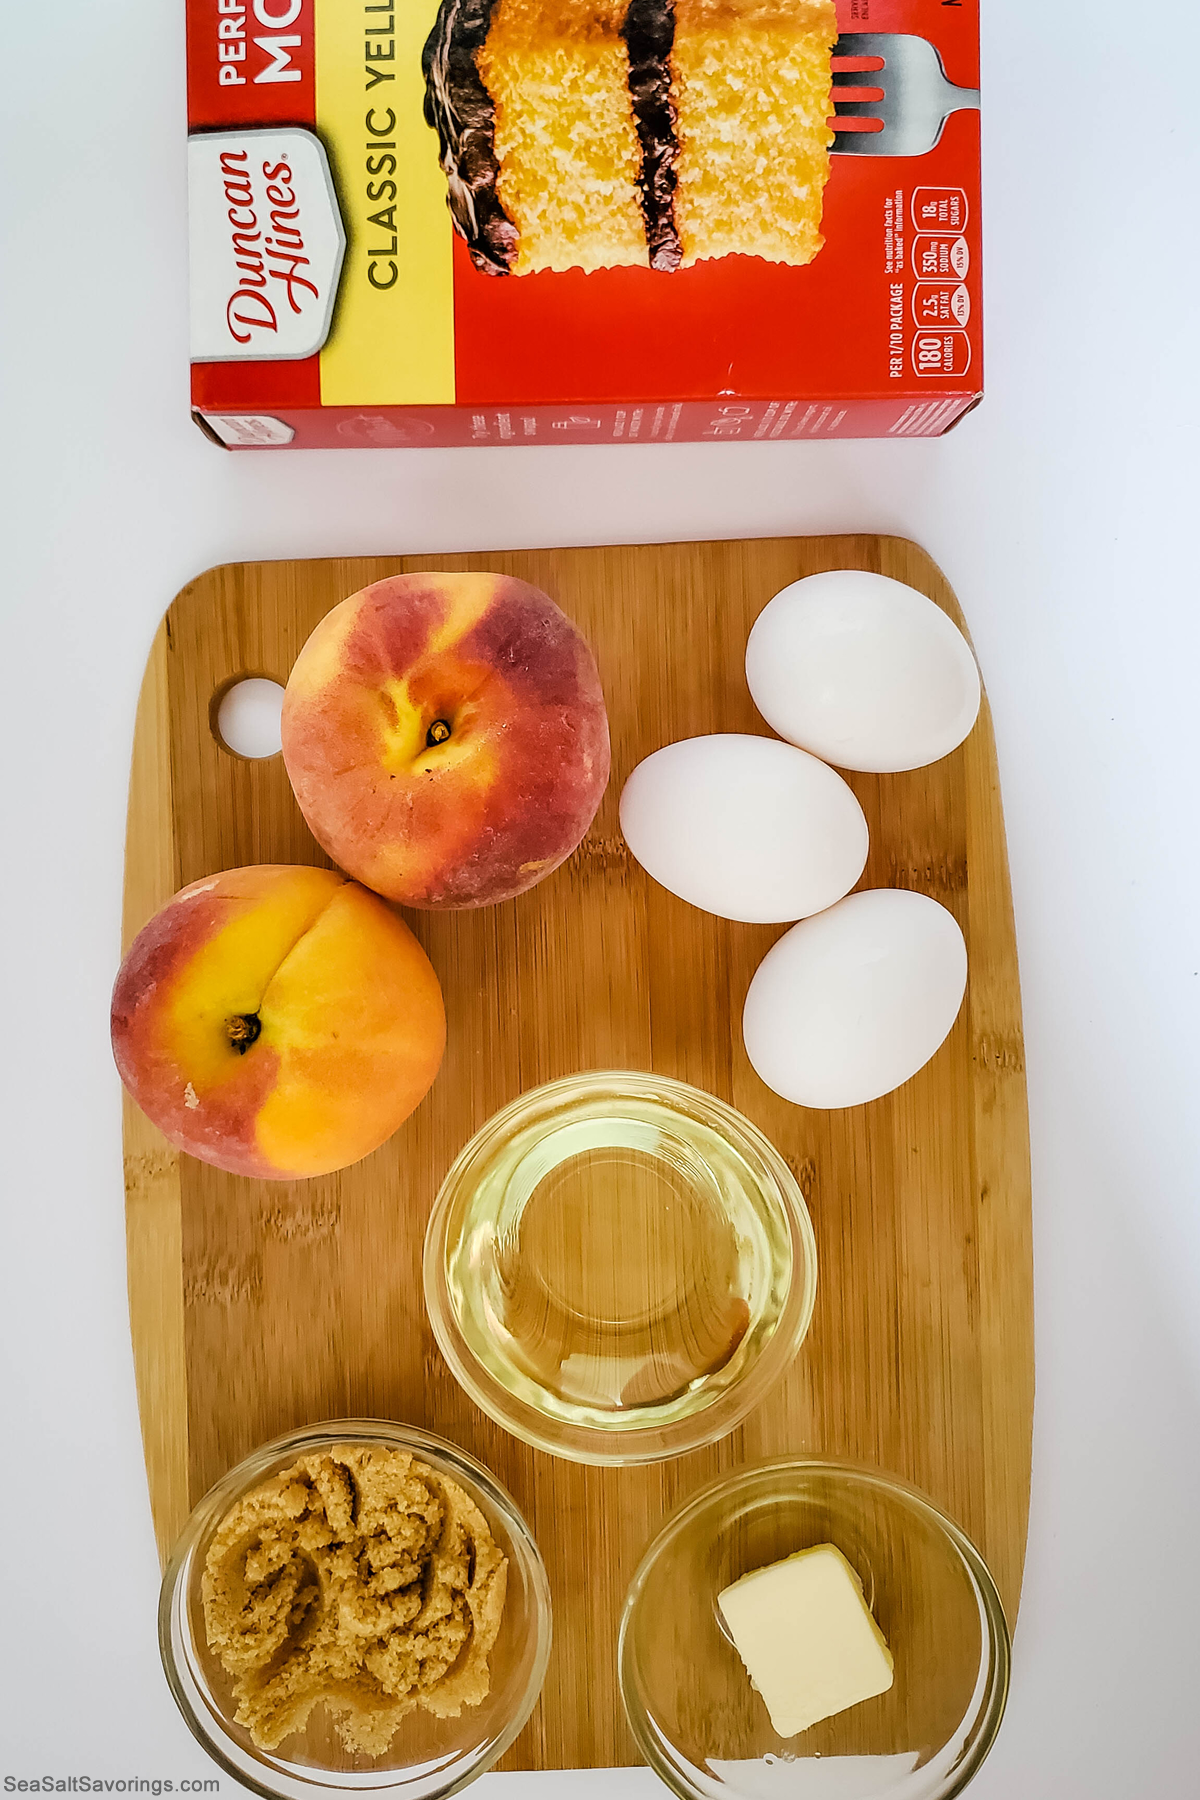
582, 221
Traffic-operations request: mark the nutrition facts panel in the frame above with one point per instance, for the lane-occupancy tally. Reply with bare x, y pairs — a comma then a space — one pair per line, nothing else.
928, 257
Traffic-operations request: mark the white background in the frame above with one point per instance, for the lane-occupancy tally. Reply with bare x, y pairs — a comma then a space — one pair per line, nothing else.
1061, 513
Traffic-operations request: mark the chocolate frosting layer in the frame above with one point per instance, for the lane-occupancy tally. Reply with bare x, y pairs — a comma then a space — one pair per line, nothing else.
460, 110
649, 33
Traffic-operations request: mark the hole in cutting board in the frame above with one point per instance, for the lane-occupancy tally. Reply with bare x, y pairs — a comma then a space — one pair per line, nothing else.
245, 717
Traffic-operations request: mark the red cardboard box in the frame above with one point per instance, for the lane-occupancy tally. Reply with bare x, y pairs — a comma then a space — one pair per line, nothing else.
333, 304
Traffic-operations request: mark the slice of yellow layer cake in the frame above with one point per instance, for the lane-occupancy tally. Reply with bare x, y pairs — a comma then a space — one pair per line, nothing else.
752, 95
565, 138
593, 133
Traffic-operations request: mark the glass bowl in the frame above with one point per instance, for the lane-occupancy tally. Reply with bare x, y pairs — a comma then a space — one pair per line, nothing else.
618, 1267
703, 1728
427, 1756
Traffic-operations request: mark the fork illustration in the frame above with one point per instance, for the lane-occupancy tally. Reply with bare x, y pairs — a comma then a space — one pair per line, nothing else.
917, 98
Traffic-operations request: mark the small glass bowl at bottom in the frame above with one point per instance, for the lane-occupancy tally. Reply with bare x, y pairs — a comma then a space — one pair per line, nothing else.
703, 1728
428, 1757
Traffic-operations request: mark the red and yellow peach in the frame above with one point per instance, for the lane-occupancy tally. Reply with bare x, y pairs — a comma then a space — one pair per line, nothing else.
278, 1022
446, 738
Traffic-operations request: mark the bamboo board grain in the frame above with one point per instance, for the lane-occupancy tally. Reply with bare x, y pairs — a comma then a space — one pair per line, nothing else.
257, 1307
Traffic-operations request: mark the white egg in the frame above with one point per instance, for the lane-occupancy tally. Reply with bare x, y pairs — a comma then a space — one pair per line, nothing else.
863, 671
745, 827
847, 1006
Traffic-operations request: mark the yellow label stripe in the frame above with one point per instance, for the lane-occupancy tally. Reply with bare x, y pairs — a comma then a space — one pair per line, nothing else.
392, 342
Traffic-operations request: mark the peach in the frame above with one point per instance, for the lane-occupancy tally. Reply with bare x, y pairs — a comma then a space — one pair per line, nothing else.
277, 1021
446, 738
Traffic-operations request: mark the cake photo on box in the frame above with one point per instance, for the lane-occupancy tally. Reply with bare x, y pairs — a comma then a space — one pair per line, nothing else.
592, 134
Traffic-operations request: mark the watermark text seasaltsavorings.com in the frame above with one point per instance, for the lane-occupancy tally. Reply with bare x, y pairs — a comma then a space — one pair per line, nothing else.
107, 1784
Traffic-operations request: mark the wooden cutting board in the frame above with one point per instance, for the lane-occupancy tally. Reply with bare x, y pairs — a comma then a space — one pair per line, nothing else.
257, 1307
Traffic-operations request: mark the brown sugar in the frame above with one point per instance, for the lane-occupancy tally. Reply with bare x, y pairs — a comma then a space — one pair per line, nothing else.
358, 1579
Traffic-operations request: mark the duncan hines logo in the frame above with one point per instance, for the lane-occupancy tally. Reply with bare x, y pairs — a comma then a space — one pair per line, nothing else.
266, 244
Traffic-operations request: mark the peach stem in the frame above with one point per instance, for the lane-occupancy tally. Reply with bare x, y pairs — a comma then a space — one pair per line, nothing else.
242, 1030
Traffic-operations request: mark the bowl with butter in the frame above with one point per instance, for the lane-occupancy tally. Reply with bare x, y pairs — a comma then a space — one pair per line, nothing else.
358, 1605
813, 1630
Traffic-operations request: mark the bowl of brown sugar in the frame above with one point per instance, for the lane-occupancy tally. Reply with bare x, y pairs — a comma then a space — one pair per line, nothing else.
358, 1605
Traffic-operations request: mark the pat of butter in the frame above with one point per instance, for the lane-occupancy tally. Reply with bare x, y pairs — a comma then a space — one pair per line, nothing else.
807, 1638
